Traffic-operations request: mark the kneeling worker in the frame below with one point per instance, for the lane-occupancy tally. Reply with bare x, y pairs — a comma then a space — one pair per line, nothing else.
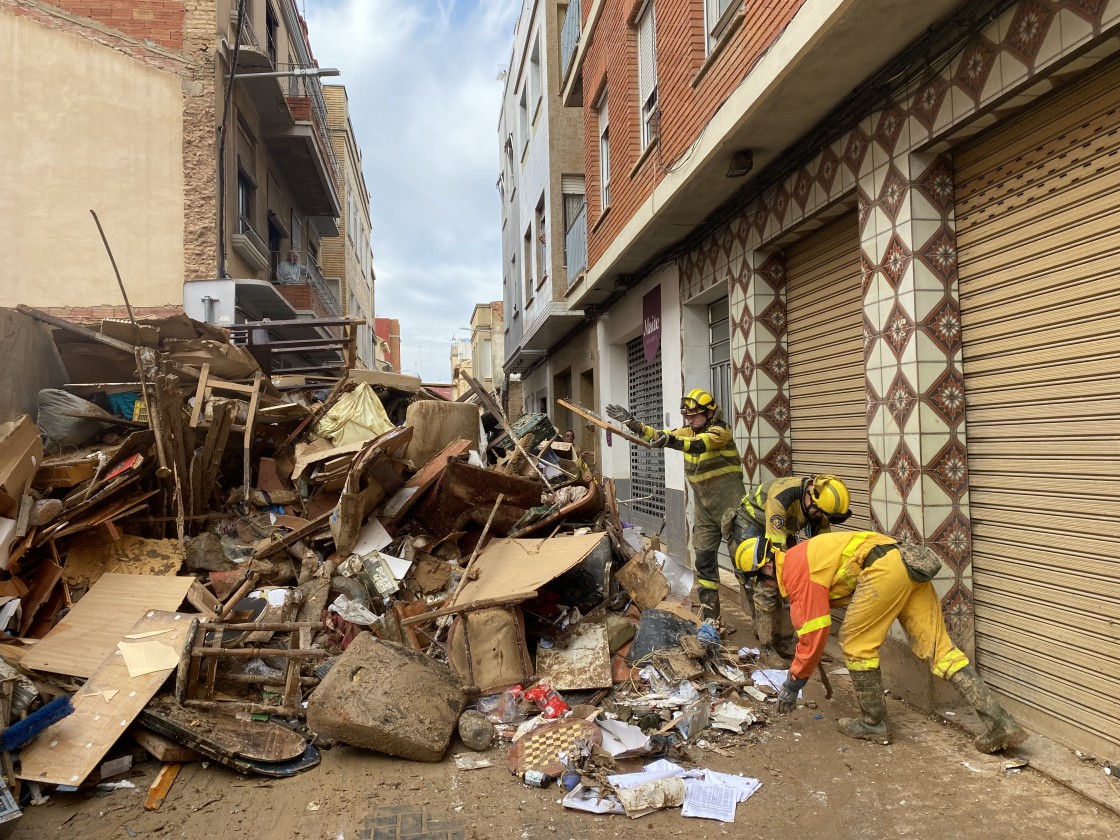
770, 519
879, 580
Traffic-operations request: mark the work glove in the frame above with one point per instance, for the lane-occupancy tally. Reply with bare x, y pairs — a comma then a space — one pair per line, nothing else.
787, 695
617, 412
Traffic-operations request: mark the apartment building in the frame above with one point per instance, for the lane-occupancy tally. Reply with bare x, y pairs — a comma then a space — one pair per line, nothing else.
548, 342
347, 259
486, 321
388, 348
882, 233
198, 133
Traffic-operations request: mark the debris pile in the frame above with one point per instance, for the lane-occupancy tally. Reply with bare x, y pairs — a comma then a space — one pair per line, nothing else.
209, 561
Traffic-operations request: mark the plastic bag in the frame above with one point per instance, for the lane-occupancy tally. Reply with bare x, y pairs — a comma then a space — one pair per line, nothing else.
352, 611
356, 417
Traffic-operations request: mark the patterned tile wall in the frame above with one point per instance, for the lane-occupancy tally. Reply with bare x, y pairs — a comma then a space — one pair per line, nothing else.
917, 441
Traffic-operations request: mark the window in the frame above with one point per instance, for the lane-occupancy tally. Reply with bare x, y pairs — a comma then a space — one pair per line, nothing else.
246, 191
535, 77
297, 232
271, 30
604, 155
717, 15
523, 121
542, 242
719, 353
527, 263
647, 75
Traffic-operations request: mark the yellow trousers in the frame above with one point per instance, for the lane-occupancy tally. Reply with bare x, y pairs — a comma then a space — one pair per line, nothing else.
884, 592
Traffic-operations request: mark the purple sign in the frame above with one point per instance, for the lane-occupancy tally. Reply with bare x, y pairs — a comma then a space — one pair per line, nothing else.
651, 323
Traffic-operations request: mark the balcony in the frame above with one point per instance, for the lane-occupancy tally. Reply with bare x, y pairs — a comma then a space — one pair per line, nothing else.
575, 246
302, 284
249, 245
302, 149
569, 37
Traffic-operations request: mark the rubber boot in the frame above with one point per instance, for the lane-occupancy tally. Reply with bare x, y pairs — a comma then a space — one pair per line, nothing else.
786, 638
709, 603
764, 629
1002, 730
871, 725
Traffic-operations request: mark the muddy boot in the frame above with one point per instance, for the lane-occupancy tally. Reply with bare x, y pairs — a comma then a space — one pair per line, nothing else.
1003, 732
871, 725
786, 646
764, 629
709, 603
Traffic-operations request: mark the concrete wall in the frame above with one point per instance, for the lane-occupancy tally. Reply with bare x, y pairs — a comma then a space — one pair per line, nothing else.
91, 128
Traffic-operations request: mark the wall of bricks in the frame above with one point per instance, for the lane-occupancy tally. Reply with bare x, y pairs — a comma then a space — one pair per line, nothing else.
159, 21
611, 63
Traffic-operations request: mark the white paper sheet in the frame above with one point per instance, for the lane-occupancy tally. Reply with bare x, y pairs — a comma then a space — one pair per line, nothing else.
679, 575
709, 801
619, 737
371, 537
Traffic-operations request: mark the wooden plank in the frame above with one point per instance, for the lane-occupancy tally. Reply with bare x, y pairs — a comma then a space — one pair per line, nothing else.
43, 582
91, 630
161, 786
161, 748
603, 424
62, 323
77, 744
203, 600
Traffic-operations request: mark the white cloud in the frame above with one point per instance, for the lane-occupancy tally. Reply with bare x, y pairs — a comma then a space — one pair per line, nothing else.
421, 77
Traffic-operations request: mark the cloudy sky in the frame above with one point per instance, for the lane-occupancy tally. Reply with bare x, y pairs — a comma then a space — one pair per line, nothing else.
422, 80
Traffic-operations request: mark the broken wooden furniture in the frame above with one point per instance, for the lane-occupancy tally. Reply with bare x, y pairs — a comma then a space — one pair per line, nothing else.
197, 680
207, 384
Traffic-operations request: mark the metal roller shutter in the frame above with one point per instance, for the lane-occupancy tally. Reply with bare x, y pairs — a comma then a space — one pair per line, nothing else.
1038, 231
827, 396
647, 466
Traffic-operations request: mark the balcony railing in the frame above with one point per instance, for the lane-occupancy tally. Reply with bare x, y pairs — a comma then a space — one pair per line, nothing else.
575, 245
569, 37
303, 285
248, 36
306, 102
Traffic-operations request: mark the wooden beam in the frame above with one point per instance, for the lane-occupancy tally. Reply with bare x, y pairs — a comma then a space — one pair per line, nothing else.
603, 424
77, 329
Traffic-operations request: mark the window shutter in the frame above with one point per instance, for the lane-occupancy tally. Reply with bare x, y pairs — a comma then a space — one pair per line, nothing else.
647, 59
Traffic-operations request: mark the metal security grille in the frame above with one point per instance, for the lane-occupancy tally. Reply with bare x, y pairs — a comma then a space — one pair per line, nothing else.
827, 395
719, 355
1038, 237
647, 466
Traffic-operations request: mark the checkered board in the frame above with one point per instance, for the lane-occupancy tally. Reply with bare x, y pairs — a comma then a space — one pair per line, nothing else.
540, 749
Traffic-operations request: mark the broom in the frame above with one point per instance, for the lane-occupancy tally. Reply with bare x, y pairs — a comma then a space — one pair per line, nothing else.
20, 734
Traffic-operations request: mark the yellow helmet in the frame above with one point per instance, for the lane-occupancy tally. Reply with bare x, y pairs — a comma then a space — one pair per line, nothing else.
697, 401
830, 495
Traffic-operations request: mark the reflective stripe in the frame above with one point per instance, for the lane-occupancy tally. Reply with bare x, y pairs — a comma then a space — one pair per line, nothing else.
696, 478
815, 624
854, 542
862, 664
707, 455
707, 584
950, 663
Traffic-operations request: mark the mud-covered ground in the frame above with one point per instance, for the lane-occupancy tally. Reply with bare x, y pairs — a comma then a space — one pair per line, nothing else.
930, 783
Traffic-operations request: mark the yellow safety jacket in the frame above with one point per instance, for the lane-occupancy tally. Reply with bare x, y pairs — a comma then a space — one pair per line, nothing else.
775, 509
708, 453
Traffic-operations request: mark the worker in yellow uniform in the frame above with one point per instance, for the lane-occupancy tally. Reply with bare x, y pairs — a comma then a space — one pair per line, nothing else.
714, 472
879, 580
772, 518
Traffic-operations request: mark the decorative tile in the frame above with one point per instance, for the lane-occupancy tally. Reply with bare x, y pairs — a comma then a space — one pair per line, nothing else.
904, 529
939, 254
774, 318
901, 399
750, 459
903, 469
943, 325
870, 336
867, 271
1028, 29
896, 259
802, 187
864, 206
876, 520
777, 365
893, 192
897, 330
872, 401
773, 270
826, 172
946, 397
777, 412
856, 150
1089, 10
874, 467
780, 204
949, 468
928, 102
780, 460
957, 606
953, 541
891, 120
975, 66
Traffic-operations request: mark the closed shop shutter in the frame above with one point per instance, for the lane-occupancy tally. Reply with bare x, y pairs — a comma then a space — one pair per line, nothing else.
647, 466
827, 397
1038, 230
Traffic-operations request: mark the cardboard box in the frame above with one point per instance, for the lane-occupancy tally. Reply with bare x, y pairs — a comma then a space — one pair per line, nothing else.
21, 452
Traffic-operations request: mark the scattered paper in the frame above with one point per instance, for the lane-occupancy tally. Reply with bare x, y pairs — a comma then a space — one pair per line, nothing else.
731, 716
469, 761
771, 678
372, 537
592, 800
621, 739
709, 801
148, 657
652, 796
108, 694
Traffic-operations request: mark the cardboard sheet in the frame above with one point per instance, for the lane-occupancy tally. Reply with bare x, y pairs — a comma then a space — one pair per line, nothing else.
516, 569
91, 630
92, 556
103, 709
